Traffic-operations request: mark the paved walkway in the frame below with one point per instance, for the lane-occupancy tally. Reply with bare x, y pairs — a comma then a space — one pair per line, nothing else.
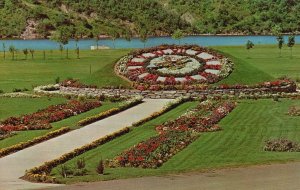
267, 177
13, 166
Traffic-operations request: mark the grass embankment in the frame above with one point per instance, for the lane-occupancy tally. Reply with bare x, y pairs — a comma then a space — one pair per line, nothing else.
18, 106
257, 65
239, 143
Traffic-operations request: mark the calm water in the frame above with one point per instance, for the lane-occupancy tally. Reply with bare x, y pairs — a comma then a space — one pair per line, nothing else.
136, 43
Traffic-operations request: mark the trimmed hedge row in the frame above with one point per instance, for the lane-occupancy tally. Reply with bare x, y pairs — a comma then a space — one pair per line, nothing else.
128, 104
20, 146
40, 174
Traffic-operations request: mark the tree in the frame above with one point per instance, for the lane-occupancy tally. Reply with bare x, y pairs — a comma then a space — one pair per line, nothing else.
77, 51
249, 45
4, 49
177, 35
291, 43
144, 36
277, 31
12, 50
25, 51
114, 35
280, 41
31, 51
96, 33
62, 36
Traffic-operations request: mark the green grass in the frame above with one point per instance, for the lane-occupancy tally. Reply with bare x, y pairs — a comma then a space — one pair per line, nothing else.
239, 143
12, 107
27, 73
260, 64
266, 58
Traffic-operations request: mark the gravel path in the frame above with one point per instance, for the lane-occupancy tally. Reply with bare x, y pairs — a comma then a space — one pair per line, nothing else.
13, 166
267, 177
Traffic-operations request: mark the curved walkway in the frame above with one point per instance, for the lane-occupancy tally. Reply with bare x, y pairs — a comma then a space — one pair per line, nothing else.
266, 177
13, 166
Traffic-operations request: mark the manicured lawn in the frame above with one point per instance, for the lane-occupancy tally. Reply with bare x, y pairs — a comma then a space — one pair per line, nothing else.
14, 107
260, 64
27, 73
266, 58
239, 143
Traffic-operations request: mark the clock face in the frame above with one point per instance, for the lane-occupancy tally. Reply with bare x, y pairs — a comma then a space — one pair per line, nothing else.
174, 65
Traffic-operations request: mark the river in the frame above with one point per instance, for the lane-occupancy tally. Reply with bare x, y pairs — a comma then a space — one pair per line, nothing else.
136, 43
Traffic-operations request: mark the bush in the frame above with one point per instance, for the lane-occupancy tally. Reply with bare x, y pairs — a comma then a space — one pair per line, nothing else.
100, 167
282, 145
80, 163
1, 91
57, 80
80, 172
65, 171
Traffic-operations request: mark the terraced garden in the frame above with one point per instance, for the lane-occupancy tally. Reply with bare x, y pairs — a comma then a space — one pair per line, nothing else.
240, 142
237, 140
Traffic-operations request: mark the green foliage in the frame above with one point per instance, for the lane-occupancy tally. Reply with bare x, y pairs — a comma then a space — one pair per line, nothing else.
249, 45
291, 42
177, 35
128, 17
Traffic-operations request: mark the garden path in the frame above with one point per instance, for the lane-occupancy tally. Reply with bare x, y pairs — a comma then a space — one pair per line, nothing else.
13, 166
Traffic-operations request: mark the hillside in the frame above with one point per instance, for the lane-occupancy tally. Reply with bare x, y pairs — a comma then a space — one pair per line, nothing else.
127, 18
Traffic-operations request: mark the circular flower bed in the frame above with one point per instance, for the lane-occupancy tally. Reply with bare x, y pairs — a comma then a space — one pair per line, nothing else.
172, 66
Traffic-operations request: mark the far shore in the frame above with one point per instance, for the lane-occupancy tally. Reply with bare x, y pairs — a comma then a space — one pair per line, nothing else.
136, 37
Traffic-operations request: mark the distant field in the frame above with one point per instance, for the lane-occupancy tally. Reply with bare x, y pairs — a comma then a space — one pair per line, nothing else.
240, 142
260, 64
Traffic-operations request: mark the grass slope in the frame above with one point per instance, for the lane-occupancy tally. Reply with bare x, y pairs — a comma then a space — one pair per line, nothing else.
260, 64
239, 143
29, 106
266, 58
27, 73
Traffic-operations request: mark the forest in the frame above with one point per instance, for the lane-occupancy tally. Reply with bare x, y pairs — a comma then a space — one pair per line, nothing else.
142, 18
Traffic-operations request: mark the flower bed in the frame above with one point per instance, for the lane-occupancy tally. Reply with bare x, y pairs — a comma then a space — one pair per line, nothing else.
201, 119
174, 135
282, 145
18, 95
42, 118
20, 146
172, 65
76, 84
155, 151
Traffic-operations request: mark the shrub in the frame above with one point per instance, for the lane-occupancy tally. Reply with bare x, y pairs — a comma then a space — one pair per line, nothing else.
80, 172
100, 167
1, 91
65, 171
80, 163
57, 80
294, 111
282, 145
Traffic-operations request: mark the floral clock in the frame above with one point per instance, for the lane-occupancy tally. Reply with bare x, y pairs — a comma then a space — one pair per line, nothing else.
172, 66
